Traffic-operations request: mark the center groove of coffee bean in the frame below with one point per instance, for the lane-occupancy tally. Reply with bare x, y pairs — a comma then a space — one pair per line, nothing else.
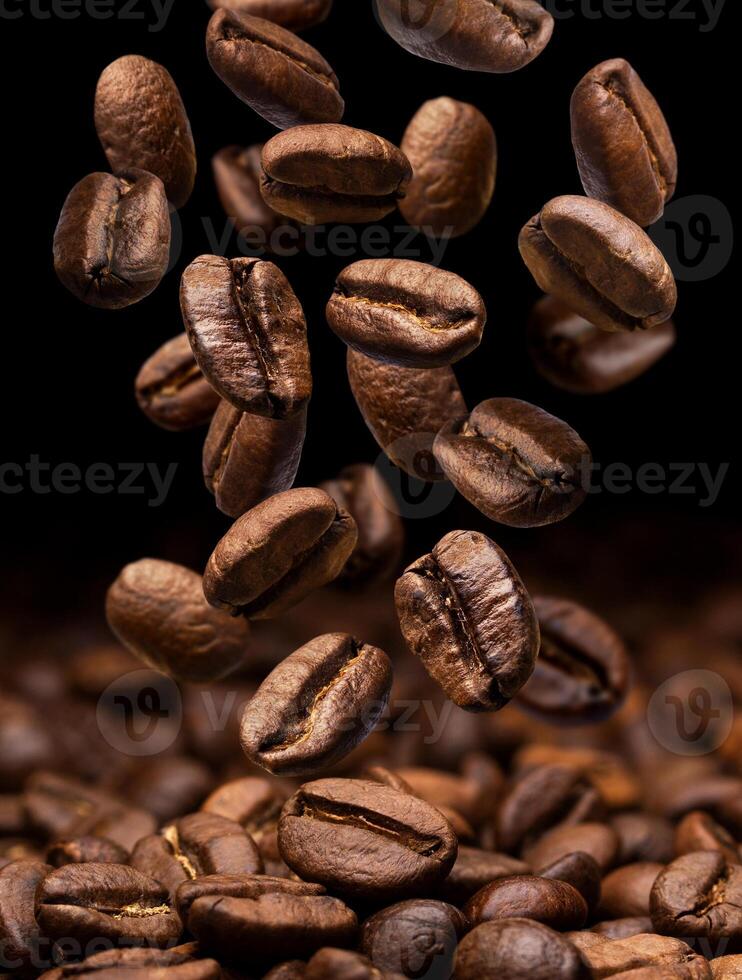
329, 812
171, 835
139, 911
612, 87
715, 896
428, 321
575, 663
522, 28
251, 325
470, 431
232, 33
173, 384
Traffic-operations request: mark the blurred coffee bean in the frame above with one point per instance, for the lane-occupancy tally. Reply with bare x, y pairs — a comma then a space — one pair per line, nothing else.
171, 390
19, 931
82, 850
625, 891
579, 870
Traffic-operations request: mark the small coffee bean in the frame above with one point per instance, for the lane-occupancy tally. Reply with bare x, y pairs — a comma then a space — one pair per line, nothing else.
550, 901
247, 458
596, 839
610, 774
500, 37
580, 358
169, 786
248, 334
517, 949
177, 963
112, 242
171, 390
157, 610
332, 173
582, 673
343, 964
475, 868
699, 894
238, 886
19, 932
365, 839
698, 831
253, 802
237, 175
613, 958
625, 891
316, 706
465, 612
142, 123
405, 408
407, 313
598, 262
453, 152
514, 462
625, 153
294, 15
284, 79
81, 850
579, 870
473, 799
278, 552
416, 938
623, 928
643, 837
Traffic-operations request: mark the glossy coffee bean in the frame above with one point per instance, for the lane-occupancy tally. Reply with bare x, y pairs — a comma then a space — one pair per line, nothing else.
81, 850
550, 901
416, 938
580, 358
248, 334
406, 313
699, 895
294, 15
600, 263
278, 552
324, 173
177, 963
247, 458
237, 175
596, 839
474, 868
579, 870
517, 949
238, 886
253, 802
171, 390
465, 612
142, 123
514, 462
490, 38
112, 242
284, 79
625, 891
364, 839
698, 831
316, 706
583, 673
157, 610
19, 933
625, 153
405, 408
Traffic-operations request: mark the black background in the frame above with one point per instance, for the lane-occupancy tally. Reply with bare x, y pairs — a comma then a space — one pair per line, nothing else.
69, 369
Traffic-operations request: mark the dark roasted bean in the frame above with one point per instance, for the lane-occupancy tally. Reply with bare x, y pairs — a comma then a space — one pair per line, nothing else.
416, 938
579, 870
81, 850
172, 391
625, 891
19, 933
517, 949
294, 15
548, 900
596, 839
238, 886
475, 868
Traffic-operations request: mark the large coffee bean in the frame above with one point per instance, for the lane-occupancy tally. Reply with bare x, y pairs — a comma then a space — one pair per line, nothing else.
700, 894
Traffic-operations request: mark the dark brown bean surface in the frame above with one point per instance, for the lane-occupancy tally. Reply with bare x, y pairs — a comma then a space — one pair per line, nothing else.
475, 868
416, 938
699, 894
515, 463
294, 15
625, 891
248, 334
171, 390
579, 870
698, 831
596, 839
550, 901
238, 886
157, 610
81, 850
406, 312
625, 153
142, 123
517, 949
600, 263
643, 837
112, 242
19, 931
237, 175
177, 963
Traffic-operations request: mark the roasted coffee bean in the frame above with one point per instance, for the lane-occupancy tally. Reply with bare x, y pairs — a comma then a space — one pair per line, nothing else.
612, 958
405, 408
248, 334
406, 313
157, 610
317, 705
171, 390
625, 153
239, 886
726, 967
416, 938
548, 900
26, 743
142, 123
517, 949
365, 839
81, 850
19, 932
343, 964
473, 799
475, 868
598, 262
643, 837
112, 242
284, 79
278, 552
465, 612
453, 152
290, 970
582, 673
514, 462
625, 891
324, 173
596, 839
247, 458
698, 831
579, 870
500, 37
623, 928
169, 786
110, 902
294, 15
699, 894
609, 773
272, 926
366, 496
177, 963
253, 802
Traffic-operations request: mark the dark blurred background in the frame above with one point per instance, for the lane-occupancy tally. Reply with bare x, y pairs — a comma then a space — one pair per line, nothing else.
69, 369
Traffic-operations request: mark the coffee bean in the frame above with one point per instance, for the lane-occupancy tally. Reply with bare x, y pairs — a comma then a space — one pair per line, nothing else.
169, 786
625, 153
614, 958
290, 970
142, 123
598, 262
238, 886
284, 79
727, 967
698, 831
26, 744
157, 610
177, 963
550, 901
514, 462
81, 850
596, 839
579, 870
583, 671
474, 800
406, 313
171, 390
475, 868
625, 891
278, 552
247, 458
331, 173
248, 334
453, 152
465, 612
643, 837
237, 175
112, 242
404, 408
517, 949
500, 37
364, 839
366, 496
699, 894
416, 938
342, 964
580, 358
19, 932
610, 774
623, 928
294, 15
253, 802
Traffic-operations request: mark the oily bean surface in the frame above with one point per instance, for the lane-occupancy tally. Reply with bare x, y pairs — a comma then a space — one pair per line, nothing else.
698, 831
238, 886
176, 963
699, 894
517, 949
81, 850
171, 390
579, 870
550, 901
19, 931
416, 938
474, 868
596, 839
294, 15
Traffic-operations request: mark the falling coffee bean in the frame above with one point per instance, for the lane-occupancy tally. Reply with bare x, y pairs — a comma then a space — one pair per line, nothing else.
171, 390
294, 15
